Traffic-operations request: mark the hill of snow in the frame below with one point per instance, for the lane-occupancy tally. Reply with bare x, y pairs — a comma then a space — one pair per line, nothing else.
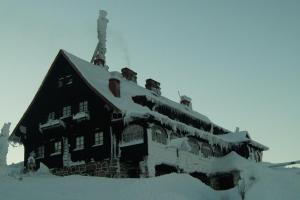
267, 183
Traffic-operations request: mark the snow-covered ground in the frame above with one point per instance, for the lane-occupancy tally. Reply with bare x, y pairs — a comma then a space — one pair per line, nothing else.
267, 184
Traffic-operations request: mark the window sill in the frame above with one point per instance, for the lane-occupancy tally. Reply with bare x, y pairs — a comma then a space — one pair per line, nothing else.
97, 145
55, 154
78, 149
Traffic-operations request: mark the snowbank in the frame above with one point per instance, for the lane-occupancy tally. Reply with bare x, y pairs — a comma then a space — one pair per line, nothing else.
269, 184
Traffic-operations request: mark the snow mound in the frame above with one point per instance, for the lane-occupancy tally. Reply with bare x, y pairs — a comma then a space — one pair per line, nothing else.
267, 184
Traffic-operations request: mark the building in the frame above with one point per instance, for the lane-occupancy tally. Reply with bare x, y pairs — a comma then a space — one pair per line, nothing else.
87, 120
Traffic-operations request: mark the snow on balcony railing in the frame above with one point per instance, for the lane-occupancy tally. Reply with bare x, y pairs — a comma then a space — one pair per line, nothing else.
81, 116
53, 123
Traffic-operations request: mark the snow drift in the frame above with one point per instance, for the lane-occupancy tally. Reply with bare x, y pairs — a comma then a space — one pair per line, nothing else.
266, 183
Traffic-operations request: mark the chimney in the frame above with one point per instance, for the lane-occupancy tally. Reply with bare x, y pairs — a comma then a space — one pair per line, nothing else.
99, 53
187, 101
153, 86
129, 74
114, 85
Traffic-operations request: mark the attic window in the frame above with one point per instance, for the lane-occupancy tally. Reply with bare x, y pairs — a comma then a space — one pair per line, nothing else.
65, 80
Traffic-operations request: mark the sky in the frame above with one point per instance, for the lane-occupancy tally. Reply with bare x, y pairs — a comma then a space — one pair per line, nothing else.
239, 61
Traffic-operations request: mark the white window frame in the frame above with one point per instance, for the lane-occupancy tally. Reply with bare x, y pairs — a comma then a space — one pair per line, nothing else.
57, 147
79, 143
40, 152
83, 106
67, 111
98, 136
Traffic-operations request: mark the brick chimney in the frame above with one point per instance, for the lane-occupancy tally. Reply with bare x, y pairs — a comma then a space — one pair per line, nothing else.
129, 74
114, 85
153, 86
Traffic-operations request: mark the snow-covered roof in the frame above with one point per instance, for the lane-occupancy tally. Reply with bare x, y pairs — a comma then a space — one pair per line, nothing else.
98, 77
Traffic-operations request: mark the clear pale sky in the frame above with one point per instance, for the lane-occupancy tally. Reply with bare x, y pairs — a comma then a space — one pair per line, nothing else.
238, 60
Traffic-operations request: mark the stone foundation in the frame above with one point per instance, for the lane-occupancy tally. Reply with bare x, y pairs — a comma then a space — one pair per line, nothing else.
105, 168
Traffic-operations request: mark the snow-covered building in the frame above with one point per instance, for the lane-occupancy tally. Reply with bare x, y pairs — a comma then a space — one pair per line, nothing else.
85, 119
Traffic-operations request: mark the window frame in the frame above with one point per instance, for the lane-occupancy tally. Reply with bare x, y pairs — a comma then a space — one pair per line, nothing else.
83, 106
40, 152
57, 148
67, 111
159, 135
98, 138
133, 133
79, 143
51, 116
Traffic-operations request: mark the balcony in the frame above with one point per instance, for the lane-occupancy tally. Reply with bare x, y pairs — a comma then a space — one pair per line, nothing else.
81, 116
51, 124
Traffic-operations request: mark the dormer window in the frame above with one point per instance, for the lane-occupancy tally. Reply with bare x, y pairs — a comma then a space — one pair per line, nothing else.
51, 116
67, 111
83, 106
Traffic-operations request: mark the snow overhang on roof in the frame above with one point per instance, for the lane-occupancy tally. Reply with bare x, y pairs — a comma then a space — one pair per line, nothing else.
242, 137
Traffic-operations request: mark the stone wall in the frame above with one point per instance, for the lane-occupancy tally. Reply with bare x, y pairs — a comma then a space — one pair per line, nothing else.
104, 168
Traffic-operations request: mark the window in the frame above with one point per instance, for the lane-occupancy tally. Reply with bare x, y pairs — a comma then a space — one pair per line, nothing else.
99, 138
67, 111
40, 152
65, 80
133, 133
69, 80
194, 146
83, 106
159, 135
51, 116
57, 148
79, 142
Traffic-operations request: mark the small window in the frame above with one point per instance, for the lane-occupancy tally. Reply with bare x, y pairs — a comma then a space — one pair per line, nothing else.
57, 147
83, 106
67, 111
40, 152
99, 138
80, 142
51, 116
69, 80
65, 80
